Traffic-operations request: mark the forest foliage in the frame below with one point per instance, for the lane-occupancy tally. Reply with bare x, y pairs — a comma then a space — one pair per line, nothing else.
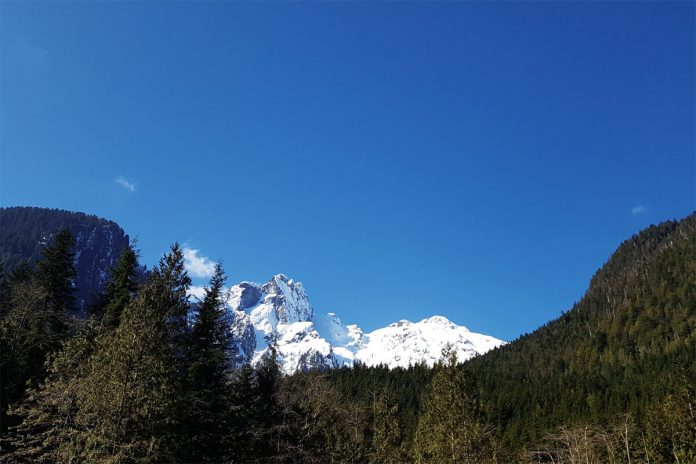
148, 376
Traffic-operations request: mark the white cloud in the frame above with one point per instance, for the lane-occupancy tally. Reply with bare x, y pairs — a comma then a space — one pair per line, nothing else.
198, 265
196, 291
639, 209
127, 184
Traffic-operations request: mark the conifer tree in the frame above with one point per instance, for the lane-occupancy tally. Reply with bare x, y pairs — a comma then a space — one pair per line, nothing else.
129, 402
121, 287
37, 321
48, 410
267, 411
55, 272
209, 368
448, 428
5, 294
244, 401
256, 414
671, 425
174, 282
386, 432
21, 273
23, 345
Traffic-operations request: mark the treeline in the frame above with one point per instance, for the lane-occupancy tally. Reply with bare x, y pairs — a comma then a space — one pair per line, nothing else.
148, 377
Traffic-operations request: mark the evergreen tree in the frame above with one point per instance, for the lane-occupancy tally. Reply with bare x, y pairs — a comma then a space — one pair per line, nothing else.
55, 272
23, 345
209, 367
448, 427
37, 322
386, 432
121, 287
256, 414
174, 283
5, 294
21, 273
48, 410
129, 402
671, 425
267, 411
244, 404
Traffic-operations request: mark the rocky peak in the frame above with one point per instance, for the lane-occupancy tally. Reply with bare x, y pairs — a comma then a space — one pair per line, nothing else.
288, 298
278, 313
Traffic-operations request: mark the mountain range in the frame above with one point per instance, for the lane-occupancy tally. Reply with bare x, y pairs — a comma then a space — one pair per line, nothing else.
279, 314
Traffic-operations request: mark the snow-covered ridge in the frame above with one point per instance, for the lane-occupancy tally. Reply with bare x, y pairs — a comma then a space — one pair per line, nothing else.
278, 313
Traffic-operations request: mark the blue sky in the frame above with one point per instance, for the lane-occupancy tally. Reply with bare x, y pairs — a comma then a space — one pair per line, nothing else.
474, 160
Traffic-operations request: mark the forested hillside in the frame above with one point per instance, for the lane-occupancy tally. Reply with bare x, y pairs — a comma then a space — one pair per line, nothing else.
25, 231
622, 349
149, 377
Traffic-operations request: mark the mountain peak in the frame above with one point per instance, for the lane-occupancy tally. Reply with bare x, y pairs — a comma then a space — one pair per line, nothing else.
279, 313
442, 321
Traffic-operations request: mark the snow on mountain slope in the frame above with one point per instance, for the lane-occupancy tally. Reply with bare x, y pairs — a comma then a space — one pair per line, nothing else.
403, 343
278, 313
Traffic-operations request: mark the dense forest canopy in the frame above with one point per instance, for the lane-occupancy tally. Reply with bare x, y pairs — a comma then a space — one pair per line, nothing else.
148, 377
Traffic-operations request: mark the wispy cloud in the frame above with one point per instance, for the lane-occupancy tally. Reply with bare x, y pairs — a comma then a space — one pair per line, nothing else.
196, 264
196, 291
639, 209
127, 184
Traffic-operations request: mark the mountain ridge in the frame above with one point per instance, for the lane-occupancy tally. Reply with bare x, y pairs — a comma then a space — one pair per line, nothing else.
278, 313
98, 243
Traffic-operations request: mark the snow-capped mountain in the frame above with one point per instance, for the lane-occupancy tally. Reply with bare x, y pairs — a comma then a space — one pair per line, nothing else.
278, 313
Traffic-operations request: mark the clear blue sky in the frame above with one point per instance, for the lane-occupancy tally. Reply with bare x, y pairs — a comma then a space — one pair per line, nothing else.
474, 160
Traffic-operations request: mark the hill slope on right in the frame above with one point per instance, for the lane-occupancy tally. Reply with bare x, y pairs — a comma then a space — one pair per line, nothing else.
627, 349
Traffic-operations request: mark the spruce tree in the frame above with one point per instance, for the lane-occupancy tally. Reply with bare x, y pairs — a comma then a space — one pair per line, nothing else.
55, 272
47, 413
130, 401
267, 412
209, 368
21, 273
121, 287
36, 322
244, 404
5, 294
448, 428
174, 282
386, 432
24, 345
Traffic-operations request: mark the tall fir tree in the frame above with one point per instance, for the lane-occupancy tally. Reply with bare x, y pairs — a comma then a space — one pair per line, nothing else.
208, 379
5, 294
37, 321
386, 432
55, 272
173, 300
449, 430
267, 412
130, 406
121, 288
244, 401
48, 411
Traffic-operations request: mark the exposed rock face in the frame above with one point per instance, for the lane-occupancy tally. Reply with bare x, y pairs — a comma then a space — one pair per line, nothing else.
26, 231
278, 313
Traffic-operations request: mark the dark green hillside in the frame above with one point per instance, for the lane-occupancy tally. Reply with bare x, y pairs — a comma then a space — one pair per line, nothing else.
24, 232
627, 344
611, 381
